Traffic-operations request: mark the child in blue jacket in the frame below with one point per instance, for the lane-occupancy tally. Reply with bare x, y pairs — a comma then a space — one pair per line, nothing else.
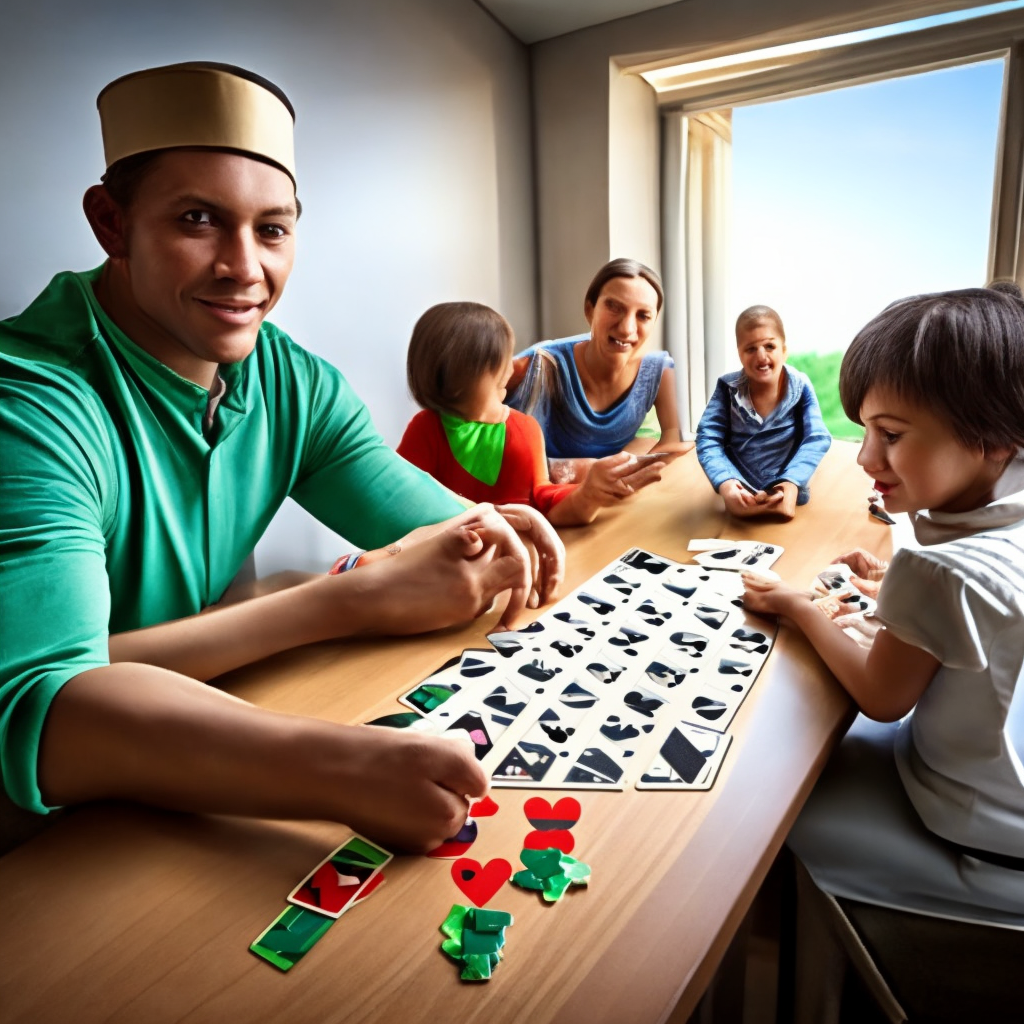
762, 436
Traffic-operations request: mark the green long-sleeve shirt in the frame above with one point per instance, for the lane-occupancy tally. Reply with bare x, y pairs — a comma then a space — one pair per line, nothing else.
116, 512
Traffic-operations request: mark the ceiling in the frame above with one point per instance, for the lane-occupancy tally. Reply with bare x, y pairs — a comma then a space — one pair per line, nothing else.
533, 20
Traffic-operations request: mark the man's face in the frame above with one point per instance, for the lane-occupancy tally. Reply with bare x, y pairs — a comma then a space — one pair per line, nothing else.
209, 242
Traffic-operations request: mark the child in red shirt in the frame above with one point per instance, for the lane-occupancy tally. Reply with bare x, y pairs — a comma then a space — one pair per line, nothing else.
459, 362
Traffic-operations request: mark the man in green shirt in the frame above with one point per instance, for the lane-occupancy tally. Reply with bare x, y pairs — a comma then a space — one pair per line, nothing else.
152, 424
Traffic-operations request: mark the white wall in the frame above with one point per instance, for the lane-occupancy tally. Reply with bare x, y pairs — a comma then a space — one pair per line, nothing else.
414, 160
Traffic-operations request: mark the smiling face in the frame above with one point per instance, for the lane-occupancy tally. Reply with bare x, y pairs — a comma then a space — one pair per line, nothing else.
916, 462
622, 318
199, 257
762, 352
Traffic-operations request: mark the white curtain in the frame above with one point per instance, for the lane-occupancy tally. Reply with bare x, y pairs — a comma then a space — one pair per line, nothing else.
696, 210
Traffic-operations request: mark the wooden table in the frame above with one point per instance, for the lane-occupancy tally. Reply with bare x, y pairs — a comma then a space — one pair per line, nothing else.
121, 913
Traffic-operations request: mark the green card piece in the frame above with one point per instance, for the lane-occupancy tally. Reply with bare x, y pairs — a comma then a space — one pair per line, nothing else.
550, 872
475, 939
292, 935
361, 854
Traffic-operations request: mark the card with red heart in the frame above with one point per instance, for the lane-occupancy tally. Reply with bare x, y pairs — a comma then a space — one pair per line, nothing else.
334, 884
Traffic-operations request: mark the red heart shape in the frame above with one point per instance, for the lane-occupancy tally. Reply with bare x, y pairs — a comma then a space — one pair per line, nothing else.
483, 808
560, 838
541, 815
479, 882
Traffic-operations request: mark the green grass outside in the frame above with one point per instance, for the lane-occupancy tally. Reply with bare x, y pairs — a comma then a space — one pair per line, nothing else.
824, 373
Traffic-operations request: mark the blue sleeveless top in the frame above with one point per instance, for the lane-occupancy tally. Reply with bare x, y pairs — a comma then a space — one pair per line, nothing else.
553, 394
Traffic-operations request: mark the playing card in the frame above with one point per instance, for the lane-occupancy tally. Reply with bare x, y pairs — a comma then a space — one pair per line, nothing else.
742, 555
689, 758
293, 933
333, 885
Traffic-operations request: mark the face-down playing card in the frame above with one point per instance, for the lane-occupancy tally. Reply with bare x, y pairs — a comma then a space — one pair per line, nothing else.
484, 711
689, 758
334, 884
550, 737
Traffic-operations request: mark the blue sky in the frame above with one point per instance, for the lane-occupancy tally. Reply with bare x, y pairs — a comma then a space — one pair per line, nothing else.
846, 200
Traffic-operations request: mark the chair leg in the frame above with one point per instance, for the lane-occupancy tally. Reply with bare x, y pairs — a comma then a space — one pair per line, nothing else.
826, 945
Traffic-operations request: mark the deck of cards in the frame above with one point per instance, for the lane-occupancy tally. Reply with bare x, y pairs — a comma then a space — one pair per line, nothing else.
632, 679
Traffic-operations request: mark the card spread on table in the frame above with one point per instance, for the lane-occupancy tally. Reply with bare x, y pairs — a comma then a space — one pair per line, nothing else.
623, 681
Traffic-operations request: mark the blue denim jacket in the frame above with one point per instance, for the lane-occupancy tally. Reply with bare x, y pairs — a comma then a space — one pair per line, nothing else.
734, 444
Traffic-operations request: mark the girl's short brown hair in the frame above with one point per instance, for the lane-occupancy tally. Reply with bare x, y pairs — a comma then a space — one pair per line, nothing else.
959, 354
453, 344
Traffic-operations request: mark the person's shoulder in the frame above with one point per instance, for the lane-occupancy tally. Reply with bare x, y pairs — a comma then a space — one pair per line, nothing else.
659, 359
731, 380
560, 346
522, 423
798, 380
50, 401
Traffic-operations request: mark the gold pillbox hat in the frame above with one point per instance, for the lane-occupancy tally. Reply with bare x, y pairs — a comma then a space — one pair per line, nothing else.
197, 104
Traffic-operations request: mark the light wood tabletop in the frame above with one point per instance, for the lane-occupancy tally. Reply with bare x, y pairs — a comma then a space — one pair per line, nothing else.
122, 913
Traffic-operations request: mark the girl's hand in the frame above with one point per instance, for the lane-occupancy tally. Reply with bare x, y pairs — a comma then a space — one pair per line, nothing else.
867, 566
770, 597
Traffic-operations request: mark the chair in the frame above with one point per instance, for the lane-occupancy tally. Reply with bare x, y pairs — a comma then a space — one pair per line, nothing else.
917, 969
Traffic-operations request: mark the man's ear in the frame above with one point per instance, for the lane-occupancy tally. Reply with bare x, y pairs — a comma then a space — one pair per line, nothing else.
107, 221
588, 311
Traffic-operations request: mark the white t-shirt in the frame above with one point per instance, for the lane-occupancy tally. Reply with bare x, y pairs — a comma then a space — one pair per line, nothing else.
958, 593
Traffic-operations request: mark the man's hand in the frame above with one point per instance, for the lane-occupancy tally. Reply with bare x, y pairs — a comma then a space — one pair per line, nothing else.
404, 789
452, 572
547, 558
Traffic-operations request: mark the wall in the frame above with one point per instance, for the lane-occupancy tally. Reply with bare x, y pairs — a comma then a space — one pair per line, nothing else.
596, 127
414, 154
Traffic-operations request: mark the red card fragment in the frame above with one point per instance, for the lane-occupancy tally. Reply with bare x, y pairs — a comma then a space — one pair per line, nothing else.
545, 817
558, 838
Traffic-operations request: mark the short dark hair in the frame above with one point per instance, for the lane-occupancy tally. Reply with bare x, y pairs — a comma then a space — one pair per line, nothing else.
754, 315
1006, 286
958, 353
622, 268
123, 177
453, 344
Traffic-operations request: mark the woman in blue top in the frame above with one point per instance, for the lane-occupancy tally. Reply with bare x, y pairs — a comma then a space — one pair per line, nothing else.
762, 435
591, 392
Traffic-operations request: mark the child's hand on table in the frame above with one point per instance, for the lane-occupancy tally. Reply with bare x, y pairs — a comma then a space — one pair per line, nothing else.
770, 597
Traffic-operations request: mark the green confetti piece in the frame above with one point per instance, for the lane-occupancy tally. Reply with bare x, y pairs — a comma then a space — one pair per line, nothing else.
550, 872
475, 939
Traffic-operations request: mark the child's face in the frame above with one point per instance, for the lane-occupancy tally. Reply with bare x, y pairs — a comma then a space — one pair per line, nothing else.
485, 402
917, 462
762, 353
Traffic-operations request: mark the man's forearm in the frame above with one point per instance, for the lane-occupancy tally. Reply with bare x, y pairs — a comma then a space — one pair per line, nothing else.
224, 638
135, 732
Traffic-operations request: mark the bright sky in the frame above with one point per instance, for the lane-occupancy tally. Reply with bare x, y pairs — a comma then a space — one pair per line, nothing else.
846, 200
